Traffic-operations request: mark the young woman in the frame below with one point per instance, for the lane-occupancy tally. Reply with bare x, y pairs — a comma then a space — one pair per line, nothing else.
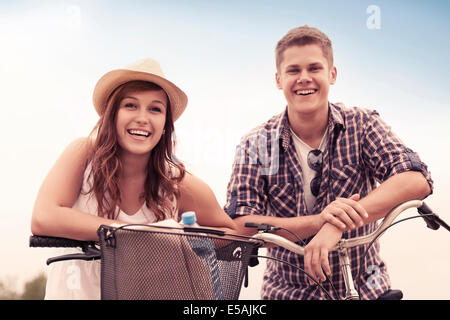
124, 172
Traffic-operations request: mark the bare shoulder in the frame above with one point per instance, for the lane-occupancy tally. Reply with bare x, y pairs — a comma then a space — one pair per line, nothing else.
196, 195
78, 151
192, 183
63, 182
193, 191
74, 158
83, 145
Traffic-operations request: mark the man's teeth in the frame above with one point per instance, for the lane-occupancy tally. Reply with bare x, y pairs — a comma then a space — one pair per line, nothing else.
304, 92
139, 133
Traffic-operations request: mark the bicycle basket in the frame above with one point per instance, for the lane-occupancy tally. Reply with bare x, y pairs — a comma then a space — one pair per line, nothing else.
161, 263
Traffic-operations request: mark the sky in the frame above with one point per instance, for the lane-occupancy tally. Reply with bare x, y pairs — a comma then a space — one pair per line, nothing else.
390, 55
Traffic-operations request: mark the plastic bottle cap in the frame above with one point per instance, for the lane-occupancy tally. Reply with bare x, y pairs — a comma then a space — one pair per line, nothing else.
189, 217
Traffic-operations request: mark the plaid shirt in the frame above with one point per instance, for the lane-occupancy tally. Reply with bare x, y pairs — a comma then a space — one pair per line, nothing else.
267, 180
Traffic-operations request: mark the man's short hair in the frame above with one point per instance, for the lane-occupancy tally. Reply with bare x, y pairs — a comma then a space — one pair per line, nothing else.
301, 36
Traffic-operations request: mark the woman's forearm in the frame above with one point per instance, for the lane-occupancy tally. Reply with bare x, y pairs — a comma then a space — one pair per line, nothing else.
67, 223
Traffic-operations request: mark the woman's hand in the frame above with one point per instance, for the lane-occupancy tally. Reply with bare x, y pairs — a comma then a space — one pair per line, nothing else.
316, 252
344, 213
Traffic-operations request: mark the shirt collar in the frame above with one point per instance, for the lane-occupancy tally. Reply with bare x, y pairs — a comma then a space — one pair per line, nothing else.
335, 119
335, 123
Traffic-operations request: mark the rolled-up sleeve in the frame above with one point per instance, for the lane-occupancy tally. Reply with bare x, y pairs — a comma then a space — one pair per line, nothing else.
385, 154
245, 192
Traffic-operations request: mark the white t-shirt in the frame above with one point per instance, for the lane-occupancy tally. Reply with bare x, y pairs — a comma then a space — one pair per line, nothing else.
308, 174
79, 279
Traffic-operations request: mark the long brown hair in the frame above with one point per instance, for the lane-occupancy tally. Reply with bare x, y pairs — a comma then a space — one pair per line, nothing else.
164, 172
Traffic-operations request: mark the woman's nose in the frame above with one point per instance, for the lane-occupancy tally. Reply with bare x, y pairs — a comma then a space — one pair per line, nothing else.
142, 117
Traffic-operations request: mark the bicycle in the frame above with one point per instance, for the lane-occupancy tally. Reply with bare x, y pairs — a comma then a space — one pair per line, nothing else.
433, 221
214, 264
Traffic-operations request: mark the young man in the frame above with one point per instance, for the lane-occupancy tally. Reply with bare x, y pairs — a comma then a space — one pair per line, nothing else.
313, 169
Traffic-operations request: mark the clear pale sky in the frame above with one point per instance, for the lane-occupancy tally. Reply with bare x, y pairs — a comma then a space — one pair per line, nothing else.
221, 54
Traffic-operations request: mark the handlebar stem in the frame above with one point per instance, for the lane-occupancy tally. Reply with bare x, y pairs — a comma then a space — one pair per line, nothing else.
344, 262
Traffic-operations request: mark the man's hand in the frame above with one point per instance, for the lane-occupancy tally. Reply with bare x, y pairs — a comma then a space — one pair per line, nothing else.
344, 213
316, 252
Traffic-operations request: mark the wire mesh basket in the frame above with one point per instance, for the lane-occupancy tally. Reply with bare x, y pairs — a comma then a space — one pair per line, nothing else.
164, 263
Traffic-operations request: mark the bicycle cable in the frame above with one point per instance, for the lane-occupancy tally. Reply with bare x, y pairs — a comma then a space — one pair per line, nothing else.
358, 281
304, 244
293, 234
296, 236
300, 269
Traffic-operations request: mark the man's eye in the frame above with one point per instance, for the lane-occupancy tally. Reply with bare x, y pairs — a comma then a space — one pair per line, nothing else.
292, 71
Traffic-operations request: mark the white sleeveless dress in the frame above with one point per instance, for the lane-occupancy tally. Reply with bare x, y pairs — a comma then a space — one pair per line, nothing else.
78, 279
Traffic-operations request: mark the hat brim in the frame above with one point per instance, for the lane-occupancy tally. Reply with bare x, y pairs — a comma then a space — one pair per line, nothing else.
111, 80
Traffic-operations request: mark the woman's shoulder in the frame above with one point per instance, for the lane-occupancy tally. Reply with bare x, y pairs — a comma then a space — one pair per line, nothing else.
193, 186
81, 145
78, 151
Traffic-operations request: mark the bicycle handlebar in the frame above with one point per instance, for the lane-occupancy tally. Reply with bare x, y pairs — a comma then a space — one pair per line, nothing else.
57, 242
432, 220
54, 242
90, 252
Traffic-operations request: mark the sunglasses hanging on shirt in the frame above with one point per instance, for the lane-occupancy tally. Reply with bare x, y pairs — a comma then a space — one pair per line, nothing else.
315, 162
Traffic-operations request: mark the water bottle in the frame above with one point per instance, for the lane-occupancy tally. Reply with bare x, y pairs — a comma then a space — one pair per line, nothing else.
205, 249
190, 219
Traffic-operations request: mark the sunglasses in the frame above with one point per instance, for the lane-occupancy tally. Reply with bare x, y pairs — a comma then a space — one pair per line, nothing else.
315, 162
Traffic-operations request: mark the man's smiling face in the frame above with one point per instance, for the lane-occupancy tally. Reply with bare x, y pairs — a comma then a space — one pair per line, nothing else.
305, 78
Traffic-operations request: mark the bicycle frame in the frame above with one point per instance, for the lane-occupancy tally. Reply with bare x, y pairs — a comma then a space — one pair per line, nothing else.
344, 244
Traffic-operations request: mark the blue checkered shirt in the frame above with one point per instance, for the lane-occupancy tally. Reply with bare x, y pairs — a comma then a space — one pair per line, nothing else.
267, 180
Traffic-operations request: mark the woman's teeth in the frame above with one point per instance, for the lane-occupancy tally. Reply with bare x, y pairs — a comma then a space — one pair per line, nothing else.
139, 133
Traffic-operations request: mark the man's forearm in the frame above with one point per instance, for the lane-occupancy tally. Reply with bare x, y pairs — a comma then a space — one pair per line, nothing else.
304, 226
394, 191
402, 187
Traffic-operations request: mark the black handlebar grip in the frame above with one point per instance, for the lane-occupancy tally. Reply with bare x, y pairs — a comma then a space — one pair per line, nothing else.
251, 225
205, 231
429, 220
53, 242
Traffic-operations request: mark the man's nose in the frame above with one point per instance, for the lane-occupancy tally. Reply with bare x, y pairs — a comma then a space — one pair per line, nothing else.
304, 77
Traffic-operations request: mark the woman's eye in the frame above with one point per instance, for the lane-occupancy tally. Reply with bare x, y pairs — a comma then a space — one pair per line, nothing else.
155, 109
130, 105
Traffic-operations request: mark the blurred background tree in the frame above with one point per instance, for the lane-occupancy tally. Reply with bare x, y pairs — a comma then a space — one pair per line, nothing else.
33, 289
6, 293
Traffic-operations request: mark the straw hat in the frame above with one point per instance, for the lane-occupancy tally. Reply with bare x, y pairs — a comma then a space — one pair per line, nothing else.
145, 70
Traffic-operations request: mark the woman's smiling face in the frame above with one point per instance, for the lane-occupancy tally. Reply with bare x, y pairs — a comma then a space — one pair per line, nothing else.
140, 120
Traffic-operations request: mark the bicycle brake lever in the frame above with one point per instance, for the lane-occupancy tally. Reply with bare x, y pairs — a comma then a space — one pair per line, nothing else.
442, 223
431, 219
89, 253
264, 227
